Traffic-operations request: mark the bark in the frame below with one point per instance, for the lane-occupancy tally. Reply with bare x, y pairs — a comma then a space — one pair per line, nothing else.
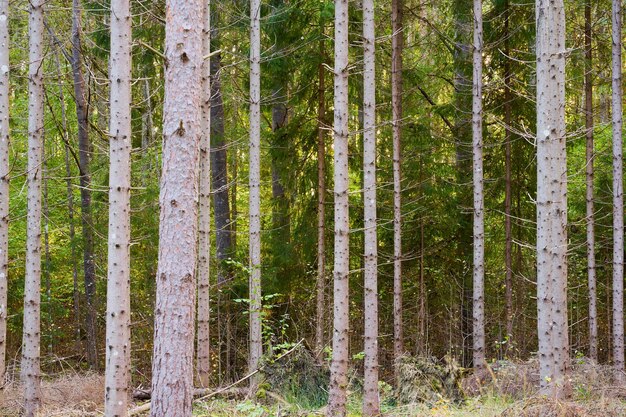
618, 195
30, 367
591, 255
117, 373
70, 205
203, 358
339, 364
4, 179
463, 138
321, 209
84, 150
219, 179
397, 43
508, 119
256, 347
371, 402
172, 365
479, 201
551, 198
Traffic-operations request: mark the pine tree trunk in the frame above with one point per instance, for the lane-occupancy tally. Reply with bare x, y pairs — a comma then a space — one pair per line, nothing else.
4, 179
256, 347
219, 170
85, 186
117, 373
508, 120
30, 367
70, 205
551, 198
478, 301
339, 364
371, 403
321, 209
397, 43
618, 196
172, 365
203, 358
463, 144
591, 255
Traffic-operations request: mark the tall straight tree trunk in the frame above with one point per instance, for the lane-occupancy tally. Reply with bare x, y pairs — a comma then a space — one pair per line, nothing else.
219, 177
70, 204
397, 43
339, 364
4, 179
117, 373
618, 196
508, 119
256, 347
463, 138
591, 244
321, 209
371, 402
30, 367
551, 198
172, 364
478, 301
84, 150
203, 358
219, 170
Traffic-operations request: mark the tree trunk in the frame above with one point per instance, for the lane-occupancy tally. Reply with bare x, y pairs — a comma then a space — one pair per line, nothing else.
397, 43
591, 255
371, 403
478, 301
321, 209
203, 358
84, 150
508, 119
618, 196
463, 138
172, 365
4, 179
551, 198
339, 364
70, 205
117, 373
256, 347
30, 367
219, 170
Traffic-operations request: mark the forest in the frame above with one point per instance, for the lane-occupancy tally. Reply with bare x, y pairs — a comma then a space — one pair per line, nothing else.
307, 208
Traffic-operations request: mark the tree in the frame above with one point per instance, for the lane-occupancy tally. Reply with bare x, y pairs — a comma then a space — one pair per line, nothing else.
462, 133
117, 373
321, 209
397, 43
172, 365
589, 156
30, 372
479, 200
4, 178
203, 359
371, 406
551, 198
618, 194
84, 152
256, 347
339, 364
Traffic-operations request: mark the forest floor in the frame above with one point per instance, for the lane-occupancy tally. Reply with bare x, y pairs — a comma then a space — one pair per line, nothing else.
507, 393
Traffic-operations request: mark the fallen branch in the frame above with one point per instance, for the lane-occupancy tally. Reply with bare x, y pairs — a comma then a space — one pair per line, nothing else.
202, 393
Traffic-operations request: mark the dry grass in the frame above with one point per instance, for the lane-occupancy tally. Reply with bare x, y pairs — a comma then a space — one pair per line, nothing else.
508, 390
73, 395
